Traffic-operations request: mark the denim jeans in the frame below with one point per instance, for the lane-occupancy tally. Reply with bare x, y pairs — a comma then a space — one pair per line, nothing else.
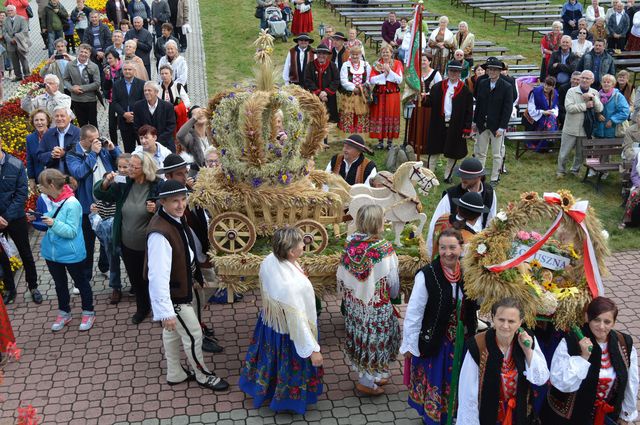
103, 229
77, 271
52, 36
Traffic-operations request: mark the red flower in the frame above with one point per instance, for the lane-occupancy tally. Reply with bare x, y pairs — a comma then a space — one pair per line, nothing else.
13, 351
27, 415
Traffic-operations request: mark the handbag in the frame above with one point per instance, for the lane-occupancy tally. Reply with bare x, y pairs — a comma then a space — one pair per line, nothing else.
29, 12
259, 12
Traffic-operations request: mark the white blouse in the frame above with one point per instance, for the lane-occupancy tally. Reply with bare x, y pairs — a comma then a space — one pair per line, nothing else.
468, 408
364, 70
581, 49
568, 372
415, 313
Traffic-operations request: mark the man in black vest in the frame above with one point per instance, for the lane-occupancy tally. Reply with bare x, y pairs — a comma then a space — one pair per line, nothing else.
175, 168
351, 164
494, 103
339, 53
171, 268
472, 173
297, 60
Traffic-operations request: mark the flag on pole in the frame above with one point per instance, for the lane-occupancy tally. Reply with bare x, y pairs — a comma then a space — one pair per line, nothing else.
414, 66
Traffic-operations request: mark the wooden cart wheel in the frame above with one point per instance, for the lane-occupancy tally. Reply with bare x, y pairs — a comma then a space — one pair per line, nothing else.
232, 233
315, 236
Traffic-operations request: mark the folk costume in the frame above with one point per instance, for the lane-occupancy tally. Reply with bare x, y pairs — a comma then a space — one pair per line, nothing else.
360, 171
470, 168
368, 279
540, 101
450, 124
632, 207
584, 392
354, 109
385, 109
421, 115
170, 266
434, 335
278, 364
550, 41
495, 387
302, 18
324, 78
6, 332
297, 62
339, 56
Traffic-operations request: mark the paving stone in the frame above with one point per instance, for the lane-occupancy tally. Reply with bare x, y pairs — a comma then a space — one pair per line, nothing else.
180, 420
340, 412
328, 421
237, 415
209, 417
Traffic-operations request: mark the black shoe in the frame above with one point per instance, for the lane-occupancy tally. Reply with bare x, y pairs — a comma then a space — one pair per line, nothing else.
494, 183
9, 297
190, 377
207, 332
37, 296
380, 146
210, 346
214, 383
138, 317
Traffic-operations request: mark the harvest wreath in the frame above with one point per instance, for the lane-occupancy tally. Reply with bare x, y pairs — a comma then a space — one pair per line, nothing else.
554, 278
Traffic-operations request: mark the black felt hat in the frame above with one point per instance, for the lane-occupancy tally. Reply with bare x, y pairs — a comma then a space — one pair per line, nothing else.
171, 163
471, 201
170, 188
339, 36
303, 37
454, 65
322, 48
470, 168
356, 141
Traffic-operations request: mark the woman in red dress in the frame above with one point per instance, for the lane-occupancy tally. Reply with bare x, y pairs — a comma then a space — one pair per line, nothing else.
548, 44
302, 17
386, 76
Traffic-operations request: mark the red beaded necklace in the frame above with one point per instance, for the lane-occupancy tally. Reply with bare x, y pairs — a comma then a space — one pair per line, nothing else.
452, 277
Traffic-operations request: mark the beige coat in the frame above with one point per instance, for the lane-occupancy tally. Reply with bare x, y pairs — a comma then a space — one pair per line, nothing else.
183, 13
467, 44
576, 106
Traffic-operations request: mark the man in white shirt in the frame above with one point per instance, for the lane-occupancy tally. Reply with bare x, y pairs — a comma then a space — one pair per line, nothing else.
351, 164
297, 60
171, 269
618, 25
49, 100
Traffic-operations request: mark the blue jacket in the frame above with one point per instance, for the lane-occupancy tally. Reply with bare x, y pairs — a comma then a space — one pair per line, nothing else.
81, 165
50, 140
13, 188
63, 242
616, 110
34, 165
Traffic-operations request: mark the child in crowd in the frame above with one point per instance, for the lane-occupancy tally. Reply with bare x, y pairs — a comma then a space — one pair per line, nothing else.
101, 218
69, 36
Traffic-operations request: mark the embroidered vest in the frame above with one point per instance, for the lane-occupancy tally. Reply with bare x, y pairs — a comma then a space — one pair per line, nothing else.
296, 75
357, 171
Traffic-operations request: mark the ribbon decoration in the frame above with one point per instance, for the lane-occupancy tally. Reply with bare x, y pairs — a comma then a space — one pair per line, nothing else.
577, 212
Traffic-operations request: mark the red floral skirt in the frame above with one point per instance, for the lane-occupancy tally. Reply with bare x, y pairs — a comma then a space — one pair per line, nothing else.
302, 22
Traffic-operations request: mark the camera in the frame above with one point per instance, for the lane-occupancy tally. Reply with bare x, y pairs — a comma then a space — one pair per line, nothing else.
104, 141
58, 57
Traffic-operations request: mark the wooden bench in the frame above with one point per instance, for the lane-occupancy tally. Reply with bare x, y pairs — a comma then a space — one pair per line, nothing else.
508, 10
634, 70
372, 3
381, 16
524, 68
521, 20
522, 137
601, 156
516, 58
542, 30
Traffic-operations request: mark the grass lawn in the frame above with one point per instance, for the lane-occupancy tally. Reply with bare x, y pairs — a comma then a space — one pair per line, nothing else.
230, 28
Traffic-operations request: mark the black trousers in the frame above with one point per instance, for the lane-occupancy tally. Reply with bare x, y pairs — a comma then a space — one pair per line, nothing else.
182, 39
18, 230
86, 113
134, 265
113, 125
616, 43
89, 244
128, 134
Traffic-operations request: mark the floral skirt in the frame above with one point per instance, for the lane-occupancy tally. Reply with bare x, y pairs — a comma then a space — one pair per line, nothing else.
274, 371
385, 117
430, 382
352, 123
632, 209
372, 336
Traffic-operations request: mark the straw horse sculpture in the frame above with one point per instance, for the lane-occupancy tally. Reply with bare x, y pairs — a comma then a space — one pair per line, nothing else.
398, 197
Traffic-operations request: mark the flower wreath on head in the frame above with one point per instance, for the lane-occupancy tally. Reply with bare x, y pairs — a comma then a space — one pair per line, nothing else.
552, 278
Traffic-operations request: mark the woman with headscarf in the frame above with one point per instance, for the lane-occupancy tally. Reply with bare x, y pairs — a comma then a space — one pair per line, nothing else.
368, 279
441, 42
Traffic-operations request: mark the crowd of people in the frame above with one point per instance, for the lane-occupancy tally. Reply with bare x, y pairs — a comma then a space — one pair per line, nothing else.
134, 201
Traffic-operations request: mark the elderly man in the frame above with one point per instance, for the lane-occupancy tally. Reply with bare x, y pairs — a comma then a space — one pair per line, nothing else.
58, 140
339, 53
126, 92
13, 221
57, 62
494, 103
451, 117
117, 40
563, 61
562, 95
49, 100
579, 100
322, 78
98, 36
298, 58
15, 31
618, 25
82, 80
351, 164
144, 41
88, 162
471, 173
171, 269
598, 61
582, 25
157, 113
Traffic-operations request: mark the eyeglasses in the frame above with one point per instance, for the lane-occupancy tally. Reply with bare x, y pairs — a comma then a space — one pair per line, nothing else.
582, 32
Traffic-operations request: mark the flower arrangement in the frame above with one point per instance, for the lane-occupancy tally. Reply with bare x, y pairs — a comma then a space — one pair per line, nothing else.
552, 280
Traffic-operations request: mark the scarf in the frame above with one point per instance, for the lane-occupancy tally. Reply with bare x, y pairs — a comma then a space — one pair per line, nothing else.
606, 97
321, 68
67, 192
365, 261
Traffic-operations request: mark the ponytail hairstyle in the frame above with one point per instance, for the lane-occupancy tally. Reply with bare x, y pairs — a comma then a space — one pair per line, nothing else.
53, 177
